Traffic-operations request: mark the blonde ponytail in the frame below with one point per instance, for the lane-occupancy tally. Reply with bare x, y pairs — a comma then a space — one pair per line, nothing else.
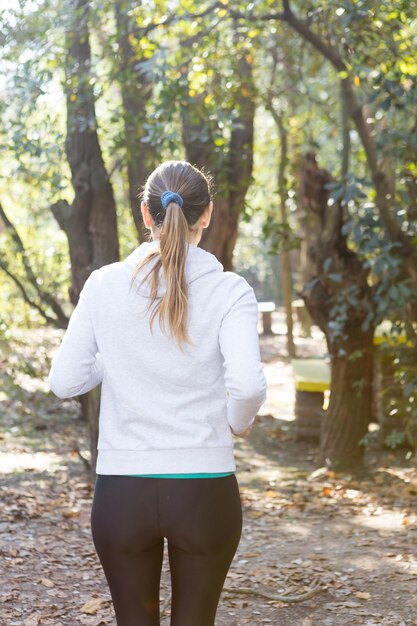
175, 212
173, 246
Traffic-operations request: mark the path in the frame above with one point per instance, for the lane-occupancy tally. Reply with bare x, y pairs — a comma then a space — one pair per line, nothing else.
355, 537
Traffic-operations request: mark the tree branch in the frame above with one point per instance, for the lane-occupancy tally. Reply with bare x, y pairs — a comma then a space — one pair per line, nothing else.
174, 17
332, 54
329, 52
265, 17
276, 597
53, 321
356, 111
61, 319
249, 591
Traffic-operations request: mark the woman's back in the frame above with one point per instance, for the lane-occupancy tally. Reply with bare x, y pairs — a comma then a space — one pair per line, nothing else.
156, 398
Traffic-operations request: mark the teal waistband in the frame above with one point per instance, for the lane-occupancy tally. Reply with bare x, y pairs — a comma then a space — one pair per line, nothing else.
204, 475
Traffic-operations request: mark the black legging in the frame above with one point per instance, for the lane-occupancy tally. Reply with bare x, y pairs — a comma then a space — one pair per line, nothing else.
202, 521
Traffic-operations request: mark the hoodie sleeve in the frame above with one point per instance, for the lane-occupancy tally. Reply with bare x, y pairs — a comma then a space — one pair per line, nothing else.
77, 366
244, 376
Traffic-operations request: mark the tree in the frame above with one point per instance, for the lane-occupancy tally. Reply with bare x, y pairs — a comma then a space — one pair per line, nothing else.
136, 85
229, 160
333, 46
89, 222
339, 300
282, 227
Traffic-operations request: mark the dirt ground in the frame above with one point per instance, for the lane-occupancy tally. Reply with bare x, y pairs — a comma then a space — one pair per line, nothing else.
352, 537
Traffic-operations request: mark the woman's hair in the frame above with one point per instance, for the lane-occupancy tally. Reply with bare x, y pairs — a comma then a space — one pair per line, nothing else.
176, 222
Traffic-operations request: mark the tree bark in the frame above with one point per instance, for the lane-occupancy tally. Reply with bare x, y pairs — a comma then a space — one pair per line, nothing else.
346, 420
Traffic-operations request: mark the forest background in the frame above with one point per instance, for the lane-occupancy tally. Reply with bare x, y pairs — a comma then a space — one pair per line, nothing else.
305, 113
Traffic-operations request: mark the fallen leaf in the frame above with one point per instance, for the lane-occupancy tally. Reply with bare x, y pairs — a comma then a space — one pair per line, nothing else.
363, 595
92, 606
70, 513
32, 620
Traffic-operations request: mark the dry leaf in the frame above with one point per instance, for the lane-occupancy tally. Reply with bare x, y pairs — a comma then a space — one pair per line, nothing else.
363, 595
92, 621
92, 606
70, 513
255, 513
32, 620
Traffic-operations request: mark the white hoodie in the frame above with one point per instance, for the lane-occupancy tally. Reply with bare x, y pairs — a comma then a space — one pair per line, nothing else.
161, 410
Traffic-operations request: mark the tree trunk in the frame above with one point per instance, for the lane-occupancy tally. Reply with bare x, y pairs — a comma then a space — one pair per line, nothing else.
350, 408
90, 222
285, 264
346, 420
286, 274
338, 299
136, 89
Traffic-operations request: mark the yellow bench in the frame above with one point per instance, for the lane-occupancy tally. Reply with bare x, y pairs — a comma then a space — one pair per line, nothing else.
312, 380
311, 374
384, 335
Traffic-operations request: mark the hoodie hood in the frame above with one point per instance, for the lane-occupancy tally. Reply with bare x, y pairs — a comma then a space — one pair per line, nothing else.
198, 263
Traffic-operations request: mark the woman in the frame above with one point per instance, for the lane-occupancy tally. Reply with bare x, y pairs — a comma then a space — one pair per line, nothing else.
170, 402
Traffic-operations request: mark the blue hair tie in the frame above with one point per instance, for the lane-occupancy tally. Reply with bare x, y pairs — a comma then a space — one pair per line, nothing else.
171, 196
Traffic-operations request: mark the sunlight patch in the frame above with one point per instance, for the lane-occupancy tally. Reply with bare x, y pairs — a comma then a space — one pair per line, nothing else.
23, 461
